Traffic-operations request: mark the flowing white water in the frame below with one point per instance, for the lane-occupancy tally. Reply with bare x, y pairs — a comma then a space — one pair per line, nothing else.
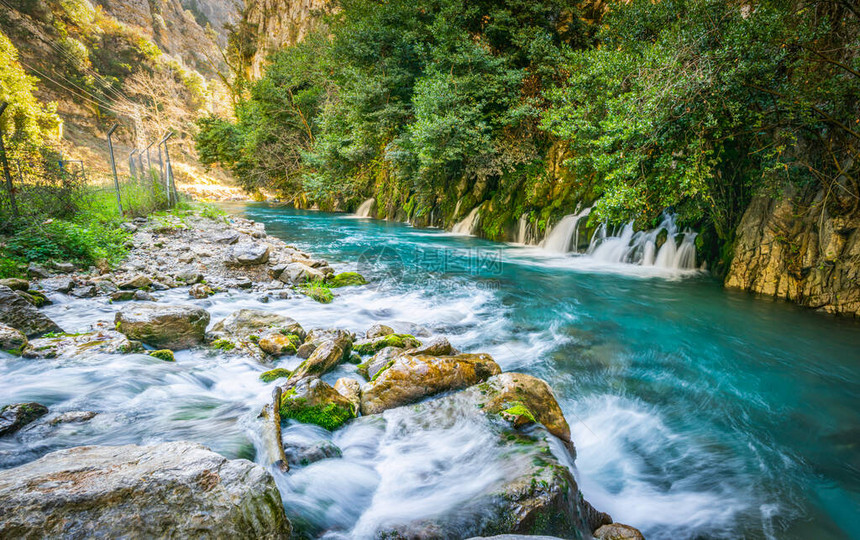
630, 247
563, 237
468, 224
523, 230
365, 209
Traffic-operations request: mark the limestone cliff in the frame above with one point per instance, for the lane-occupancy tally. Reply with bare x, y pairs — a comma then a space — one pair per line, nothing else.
804, 247
278, 23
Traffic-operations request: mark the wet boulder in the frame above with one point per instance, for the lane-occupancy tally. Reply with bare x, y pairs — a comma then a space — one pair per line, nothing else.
22, 315
350, 389
175, 489
163, 326
34, 271
518, 479
16, 284
296, 273
371, 346
618, 531
278, 342
318, 336
411, 378
11, 339
381, 360
200, 290
437, 346
138, 281
57, 284
247, 322
378, 330
312, 401
14, 417
103, 339
324, 358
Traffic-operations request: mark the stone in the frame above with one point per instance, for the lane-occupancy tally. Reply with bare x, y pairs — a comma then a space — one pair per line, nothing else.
186, 258
163, 354
377, 331
412, 378
350, 389
277, 343
228, 238
102, 340
324, 358
130, 228
306, 349
312, 401
175, 489
276, 270
84, 291
165, 326
189, 277
14, 417
34, 297
347, 279
302, 454
64, 267
275, 374
122, 296
436, 346
249, 254
23, 316
244, 283
73, 417
531, 492
343, 338
371, 346
245, 322
295, 273
200, 290
138, 281
142, 296
378, 362
16, 284
34, 271
57, 284
11, 339
617, 531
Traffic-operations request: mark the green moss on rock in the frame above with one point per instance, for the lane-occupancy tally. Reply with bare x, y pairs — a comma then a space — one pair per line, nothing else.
275, 374
163, 354
223, 344
401, 341
347, 279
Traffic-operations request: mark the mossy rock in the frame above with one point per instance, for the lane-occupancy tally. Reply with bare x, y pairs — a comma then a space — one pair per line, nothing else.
163, 354
518, 414
223, 344
318, 291
275, 374
312, 401
347, 279
401, 341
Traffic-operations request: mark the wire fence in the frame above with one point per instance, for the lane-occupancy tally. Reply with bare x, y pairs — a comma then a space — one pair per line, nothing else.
39, 184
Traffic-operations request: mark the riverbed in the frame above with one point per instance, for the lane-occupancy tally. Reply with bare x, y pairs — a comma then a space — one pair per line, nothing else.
696, 412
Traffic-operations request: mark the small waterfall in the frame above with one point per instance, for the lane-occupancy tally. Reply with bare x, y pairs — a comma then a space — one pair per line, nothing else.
366, 208
523, 230
629, 247
563, 237
469, 223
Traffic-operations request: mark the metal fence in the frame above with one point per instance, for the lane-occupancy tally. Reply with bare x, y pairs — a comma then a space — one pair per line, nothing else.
44, 185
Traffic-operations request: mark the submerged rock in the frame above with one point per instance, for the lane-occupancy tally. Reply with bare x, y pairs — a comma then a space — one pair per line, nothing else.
172, 327
23, 316
518, 481
101, 340
312, 401
411, 378
176, 489
14, 417
73, 417
303, 454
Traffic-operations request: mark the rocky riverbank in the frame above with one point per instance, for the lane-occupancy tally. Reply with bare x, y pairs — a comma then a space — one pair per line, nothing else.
417, 382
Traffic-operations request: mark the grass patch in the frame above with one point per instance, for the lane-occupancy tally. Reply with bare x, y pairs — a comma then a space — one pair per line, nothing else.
317, 290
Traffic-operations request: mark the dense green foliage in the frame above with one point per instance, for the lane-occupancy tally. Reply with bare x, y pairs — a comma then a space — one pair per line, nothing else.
436, 106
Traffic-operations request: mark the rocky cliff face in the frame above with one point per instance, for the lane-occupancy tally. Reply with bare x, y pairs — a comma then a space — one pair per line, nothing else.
279, 23
804, 247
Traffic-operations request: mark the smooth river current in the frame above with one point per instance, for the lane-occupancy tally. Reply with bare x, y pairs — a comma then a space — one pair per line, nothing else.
696, 412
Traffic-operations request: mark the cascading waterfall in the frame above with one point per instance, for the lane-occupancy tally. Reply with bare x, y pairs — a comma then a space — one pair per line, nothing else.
469, 223
627, 246
524, 230
365, 209
563, 237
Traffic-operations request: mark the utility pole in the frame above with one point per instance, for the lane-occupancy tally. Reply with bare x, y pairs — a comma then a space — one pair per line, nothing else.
8, 176
113, 166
